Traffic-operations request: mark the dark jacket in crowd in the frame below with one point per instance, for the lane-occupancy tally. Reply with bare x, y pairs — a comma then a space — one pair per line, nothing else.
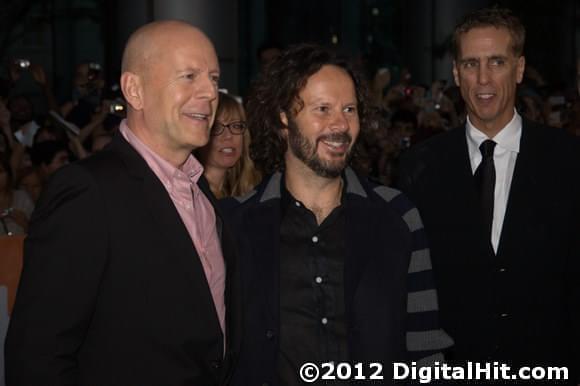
113, 292
390, 301
521, 305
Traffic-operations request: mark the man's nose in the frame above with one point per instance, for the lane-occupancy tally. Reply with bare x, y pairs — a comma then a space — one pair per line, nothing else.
207, 88
483, 75
339, 121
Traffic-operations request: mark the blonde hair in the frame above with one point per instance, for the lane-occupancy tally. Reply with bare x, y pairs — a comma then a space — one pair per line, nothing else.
243, 176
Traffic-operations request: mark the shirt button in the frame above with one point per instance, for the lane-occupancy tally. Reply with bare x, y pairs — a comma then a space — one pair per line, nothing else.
324, 321
269, 334
504, 315
314, 239
318, 279
297, 204
502, 269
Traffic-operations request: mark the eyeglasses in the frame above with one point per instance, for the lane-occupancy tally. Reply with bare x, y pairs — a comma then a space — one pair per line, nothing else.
236, 128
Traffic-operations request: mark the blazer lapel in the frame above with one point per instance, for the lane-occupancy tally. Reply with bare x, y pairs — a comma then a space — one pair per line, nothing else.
460, 175
264, 220
204, 187
453, 199
523, 190
168, 222
177, 238
361, 235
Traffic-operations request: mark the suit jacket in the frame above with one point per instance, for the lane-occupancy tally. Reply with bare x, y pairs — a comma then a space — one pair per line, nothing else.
113, 291
521, 305
387, 264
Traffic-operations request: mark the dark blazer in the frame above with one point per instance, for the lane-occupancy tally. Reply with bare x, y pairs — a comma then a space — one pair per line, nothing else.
522, 305
113, 292
387, 262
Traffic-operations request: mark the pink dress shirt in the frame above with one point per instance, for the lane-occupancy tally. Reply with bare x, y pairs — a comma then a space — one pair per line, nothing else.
195, 211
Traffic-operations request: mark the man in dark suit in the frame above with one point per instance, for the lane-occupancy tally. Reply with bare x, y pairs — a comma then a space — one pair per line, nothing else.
335, 269
129, 277
500, 201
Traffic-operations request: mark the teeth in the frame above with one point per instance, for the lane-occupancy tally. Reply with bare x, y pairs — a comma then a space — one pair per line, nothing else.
227, 150
484, 96
198, 116
334, 144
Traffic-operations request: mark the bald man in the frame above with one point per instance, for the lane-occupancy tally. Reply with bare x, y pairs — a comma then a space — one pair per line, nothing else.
129, 275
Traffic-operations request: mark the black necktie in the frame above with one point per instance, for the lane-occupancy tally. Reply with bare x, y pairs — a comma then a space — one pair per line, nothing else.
485, 180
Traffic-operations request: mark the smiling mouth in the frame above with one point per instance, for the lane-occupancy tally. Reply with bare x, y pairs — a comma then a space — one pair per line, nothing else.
198, 116
227, 150
338, 142
338, 145
484, 96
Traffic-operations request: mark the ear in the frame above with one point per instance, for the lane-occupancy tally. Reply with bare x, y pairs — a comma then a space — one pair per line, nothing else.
131, 86
455, 73
521, 68
284, 120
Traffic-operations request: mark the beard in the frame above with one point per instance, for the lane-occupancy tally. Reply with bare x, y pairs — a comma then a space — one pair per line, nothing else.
305, 151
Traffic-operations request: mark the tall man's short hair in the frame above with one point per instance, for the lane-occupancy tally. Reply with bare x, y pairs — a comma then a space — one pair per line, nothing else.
491, 17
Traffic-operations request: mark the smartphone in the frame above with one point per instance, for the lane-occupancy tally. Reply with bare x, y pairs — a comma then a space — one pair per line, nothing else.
60, 121
94, 71
116, 108
557, 100
22, 63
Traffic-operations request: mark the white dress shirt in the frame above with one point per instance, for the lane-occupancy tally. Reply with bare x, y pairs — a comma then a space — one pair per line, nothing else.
504, 158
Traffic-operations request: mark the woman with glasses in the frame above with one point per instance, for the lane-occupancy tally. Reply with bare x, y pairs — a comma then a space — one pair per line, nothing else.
227, 164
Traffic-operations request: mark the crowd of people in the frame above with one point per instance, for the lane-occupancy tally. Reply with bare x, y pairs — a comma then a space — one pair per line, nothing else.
413, 113
34, 143
140, 276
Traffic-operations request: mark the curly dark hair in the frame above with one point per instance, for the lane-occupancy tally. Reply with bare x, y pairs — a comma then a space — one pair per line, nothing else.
277, 90
490, 17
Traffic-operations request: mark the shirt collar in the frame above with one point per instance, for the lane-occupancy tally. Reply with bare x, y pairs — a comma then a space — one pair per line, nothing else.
272, 189
287, 199
191, 169
508, 138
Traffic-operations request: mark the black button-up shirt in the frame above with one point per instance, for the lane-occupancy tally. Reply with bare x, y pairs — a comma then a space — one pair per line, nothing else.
312, 309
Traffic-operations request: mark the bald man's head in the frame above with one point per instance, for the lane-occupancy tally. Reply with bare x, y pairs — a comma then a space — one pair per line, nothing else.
148, 42
170, 81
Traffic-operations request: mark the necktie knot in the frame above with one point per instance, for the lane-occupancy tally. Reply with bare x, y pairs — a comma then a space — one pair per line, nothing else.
486, 148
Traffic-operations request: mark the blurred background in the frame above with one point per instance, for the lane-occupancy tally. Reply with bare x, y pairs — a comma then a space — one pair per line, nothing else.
396, 34
60, 65
64, 56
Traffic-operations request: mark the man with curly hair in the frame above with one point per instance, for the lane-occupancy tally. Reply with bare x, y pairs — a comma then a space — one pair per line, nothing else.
335, 268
